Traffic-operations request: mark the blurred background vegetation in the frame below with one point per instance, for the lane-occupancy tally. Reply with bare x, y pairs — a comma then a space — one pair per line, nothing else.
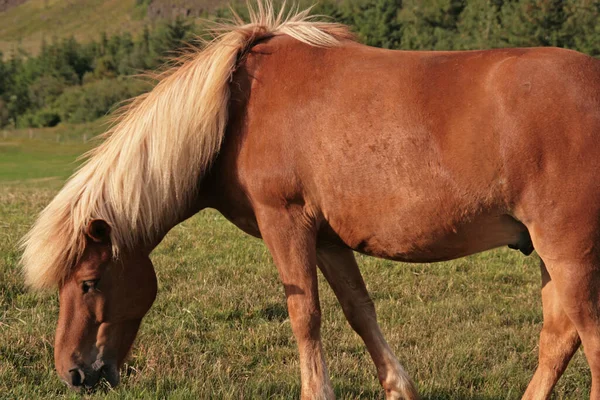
71, 62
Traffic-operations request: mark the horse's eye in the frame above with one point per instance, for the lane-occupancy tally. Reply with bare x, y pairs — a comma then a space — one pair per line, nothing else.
89, 285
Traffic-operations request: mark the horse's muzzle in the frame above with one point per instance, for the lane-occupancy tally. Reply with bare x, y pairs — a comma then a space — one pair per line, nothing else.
87, 379
77, 377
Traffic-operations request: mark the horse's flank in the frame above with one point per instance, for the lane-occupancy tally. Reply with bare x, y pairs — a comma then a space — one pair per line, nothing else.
444, 144
142, 179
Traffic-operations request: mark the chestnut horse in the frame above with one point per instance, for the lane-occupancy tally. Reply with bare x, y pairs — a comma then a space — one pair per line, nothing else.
321, 146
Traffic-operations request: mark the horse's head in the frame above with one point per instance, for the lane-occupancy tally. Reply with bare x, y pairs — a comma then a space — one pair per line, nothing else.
102, 303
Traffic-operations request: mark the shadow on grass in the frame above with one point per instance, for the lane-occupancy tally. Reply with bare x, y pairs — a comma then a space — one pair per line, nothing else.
449, 395
352, 392
274, 312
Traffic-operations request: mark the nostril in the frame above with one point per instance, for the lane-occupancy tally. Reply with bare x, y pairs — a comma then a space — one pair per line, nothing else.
77, 376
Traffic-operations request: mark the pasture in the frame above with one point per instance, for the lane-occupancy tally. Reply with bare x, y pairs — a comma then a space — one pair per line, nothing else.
32, 22
465, 329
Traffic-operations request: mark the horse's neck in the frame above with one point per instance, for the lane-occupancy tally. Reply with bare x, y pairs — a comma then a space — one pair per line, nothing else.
197, 205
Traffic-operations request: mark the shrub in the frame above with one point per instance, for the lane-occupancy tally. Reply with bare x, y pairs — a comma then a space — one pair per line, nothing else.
96, 99
45, 117
4, 114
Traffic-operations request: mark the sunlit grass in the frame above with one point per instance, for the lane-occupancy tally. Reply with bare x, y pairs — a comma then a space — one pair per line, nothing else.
27, 25
465, 329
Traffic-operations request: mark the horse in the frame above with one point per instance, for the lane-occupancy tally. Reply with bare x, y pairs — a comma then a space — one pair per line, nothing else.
322, 146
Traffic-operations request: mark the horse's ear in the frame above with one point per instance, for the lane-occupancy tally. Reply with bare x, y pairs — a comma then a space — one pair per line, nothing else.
99, 231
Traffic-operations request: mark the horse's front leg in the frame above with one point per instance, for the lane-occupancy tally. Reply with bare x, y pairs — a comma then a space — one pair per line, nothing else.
291, 238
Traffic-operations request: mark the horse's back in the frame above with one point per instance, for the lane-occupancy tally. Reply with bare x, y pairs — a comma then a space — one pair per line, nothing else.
413, 155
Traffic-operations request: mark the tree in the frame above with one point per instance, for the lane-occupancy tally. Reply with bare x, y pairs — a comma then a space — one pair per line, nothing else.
431, 25
535, 23
582, 25
75, 57
3, 76
45, 90
4, 114
479, 25
17, 95
376, 22
105, 67
171, 37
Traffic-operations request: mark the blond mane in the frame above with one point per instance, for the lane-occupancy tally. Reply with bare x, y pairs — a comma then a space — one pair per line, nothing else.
142, 178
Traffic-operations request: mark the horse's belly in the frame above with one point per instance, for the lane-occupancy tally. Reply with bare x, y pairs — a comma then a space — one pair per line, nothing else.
435, 242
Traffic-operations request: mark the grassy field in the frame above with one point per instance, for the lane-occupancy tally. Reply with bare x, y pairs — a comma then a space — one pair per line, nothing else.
465, 329
27, 24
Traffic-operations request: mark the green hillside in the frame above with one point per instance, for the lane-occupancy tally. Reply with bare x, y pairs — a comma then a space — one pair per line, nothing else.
27, 24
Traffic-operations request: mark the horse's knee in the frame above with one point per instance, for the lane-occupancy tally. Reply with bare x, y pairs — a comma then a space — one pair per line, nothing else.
562, 334
306, 323
558, 342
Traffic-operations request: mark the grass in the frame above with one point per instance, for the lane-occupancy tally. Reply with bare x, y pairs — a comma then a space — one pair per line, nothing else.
48, 154
26, 25
465, 329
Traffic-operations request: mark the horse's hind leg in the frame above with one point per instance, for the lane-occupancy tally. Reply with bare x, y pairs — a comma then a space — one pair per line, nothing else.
558, 342
341, 271
577, 283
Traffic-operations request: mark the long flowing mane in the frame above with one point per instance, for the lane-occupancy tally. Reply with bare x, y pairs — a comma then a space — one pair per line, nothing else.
144, 175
